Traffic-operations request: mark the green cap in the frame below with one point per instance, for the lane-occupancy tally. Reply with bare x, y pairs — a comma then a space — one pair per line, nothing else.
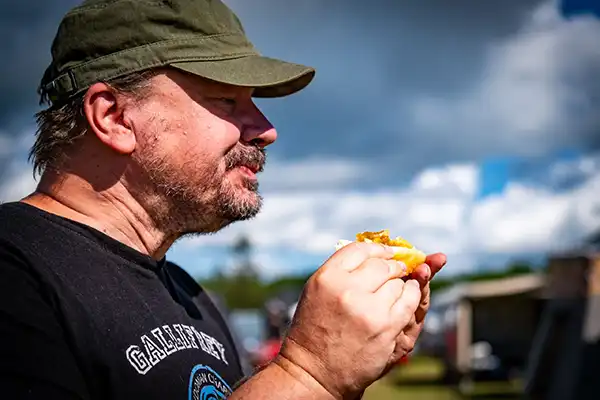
102, 40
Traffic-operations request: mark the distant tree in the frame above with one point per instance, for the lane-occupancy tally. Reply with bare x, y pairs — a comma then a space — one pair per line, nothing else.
241, 252
241, 288
519, 268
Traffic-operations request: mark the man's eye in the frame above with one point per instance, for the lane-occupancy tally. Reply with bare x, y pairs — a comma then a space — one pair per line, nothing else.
228, 101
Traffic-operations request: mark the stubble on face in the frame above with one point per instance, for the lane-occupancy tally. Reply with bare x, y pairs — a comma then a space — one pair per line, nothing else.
185, 194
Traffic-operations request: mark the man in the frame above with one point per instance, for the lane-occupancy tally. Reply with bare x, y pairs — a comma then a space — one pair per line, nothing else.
152, 135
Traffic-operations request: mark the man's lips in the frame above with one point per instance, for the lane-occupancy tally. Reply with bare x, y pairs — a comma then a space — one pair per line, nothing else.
252, 168
249, 170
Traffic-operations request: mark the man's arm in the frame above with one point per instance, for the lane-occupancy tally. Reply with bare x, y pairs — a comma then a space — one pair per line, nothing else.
35, 360
283, 380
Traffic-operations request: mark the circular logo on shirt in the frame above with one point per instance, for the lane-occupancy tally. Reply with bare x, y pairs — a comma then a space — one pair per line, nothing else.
206, 384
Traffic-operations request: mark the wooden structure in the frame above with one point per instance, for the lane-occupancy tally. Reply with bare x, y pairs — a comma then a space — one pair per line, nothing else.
490, 312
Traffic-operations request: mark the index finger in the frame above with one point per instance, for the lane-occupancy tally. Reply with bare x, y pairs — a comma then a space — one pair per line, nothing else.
351, 256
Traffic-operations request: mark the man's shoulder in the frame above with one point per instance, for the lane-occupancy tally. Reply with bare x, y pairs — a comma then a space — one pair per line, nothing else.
9, 211
15, 244
15, 223
18, 217
25, 227
39, 239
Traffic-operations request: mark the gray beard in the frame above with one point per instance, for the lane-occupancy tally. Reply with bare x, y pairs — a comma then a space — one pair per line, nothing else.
180, 207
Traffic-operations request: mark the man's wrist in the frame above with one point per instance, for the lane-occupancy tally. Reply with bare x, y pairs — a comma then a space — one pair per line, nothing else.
304, 378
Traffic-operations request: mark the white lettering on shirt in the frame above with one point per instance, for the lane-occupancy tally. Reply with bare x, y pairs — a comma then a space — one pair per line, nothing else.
166, 340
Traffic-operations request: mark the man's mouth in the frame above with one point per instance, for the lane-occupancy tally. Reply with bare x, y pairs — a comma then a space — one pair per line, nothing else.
247, 159
249, 171
254, 168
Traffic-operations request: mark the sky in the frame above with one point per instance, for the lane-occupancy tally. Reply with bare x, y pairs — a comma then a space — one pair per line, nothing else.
466, 127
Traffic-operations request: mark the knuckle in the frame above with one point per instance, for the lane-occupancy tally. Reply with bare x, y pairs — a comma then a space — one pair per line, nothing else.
323, 277
360, 247
347, 299
323, 282
404, 346
398, 285
317, 279
376, 323
413, 292
377, 265
367, 249
413, 320
405, 308
372, 325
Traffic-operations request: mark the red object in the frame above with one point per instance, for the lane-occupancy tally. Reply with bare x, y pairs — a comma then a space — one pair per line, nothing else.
268, 351
403, 360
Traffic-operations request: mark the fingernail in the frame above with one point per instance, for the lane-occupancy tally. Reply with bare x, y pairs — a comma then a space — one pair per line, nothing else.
414, 283
401, 266
392, 268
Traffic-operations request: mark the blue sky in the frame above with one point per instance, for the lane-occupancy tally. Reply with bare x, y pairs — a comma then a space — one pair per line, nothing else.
479, 118
495, 174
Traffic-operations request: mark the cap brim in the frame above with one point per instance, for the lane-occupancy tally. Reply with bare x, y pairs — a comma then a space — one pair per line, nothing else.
268, 76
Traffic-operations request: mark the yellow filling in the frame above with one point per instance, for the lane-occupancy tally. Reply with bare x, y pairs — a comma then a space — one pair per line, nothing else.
411, 258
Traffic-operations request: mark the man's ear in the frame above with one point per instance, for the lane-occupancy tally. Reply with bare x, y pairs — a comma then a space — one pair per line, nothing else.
103, 110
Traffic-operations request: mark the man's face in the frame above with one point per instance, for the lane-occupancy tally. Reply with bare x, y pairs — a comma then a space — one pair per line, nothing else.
199, 146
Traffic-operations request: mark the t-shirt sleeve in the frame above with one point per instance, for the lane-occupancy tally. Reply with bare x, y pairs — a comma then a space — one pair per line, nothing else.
35, 359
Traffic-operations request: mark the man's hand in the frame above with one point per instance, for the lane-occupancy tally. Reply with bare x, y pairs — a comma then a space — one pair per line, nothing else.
356, 318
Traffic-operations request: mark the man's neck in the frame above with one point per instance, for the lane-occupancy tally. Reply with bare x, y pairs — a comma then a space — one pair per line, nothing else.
112, 211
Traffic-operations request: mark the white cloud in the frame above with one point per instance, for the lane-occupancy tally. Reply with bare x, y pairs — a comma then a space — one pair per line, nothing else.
537, 92
5, 145
521, 219
16, 177
575, 170
17, 183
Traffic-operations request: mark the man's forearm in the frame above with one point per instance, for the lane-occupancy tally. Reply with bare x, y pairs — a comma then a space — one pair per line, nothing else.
281, 380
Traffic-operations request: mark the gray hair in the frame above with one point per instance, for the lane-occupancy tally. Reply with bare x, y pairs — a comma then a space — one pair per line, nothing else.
61, 125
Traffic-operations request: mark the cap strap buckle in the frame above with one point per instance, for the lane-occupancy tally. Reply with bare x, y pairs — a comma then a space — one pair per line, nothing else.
61, 86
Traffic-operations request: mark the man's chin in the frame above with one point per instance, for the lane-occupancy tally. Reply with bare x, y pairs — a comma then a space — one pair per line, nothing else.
246, 205
228, 214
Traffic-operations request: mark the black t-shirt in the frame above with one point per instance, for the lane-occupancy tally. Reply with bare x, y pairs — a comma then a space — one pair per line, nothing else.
82, 316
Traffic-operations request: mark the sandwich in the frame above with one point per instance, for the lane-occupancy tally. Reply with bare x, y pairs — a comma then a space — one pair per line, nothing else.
403, 250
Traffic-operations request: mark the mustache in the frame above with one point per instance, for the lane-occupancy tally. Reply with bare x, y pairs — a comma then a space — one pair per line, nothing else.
253, 157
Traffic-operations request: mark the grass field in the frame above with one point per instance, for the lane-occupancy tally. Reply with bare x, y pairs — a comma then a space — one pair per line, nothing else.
419, 380
387, 390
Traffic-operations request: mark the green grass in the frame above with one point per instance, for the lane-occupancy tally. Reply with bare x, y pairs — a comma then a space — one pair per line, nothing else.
387, 390
419, 369
420, 380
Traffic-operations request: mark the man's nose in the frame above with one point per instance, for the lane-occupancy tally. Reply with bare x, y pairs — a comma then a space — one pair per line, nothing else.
256, 128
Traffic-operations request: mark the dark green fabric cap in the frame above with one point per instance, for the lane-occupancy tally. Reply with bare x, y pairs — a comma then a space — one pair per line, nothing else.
105, 39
